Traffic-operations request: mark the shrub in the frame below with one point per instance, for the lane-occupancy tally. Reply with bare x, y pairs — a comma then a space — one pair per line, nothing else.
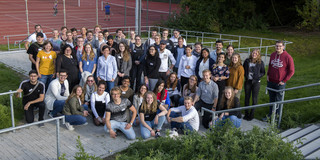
310, 13
220, 143
5, 117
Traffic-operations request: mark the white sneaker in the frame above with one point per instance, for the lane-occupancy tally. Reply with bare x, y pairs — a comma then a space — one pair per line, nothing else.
85, 124
69, 126
173, 133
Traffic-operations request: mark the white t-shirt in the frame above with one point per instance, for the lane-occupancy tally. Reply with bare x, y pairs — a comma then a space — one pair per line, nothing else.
191, 116
202, 67
33, 38
164, 56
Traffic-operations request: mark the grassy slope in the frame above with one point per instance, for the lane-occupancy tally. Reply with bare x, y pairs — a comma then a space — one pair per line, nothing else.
305, 53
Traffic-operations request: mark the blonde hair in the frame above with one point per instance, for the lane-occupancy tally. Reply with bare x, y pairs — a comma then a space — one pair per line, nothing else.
230, 102
84, 53
74, 93
256, 60
236, 65
154, 105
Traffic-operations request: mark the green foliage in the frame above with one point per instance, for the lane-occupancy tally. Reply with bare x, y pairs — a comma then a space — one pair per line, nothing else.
217, 15
310, 13
5, 119
81, 154
224, 142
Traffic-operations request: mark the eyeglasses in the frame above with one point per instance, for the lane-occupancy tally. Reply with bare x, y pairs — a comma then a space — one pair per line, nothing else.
89, 80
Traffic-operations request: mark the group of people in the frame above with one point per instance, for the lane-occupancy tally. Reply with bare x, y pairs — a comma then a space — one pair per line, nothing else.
124, 83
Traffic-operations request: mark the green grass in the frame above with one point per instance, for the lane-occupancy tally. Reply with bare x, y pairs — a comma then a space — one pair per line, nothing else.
10, 80
4, 47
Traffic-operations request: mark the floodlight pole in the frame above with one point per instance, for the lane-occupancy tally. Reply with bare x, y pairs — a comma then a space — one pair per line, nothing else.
27, 14
64, 13
78, 3
97, 12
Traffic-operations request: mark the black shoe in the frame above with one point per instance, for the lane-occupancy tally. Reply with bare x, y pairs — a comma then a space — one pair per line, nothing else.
158, 134
246, 117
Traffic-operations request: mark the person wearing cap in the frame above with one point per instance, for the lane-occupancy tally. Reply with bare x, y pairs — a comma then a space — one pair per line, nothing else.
165, 55
114, 46
34, 49
33, 37
176, 35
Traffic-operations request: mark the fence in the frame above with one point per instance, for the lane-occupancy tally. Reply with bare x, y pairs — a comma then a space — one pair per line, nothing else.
273, 104
13, 128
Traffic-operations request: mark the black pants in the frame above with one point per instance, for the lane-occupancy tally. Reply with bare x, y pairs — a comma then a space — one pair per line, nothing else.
136, 72
253, 88
163, 75
221, 86
183, 81
175, 99
29, 113
207, 117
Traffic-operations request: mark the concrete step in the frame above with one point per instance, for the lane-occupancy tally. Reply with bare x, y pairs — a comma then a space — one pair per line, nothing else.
301, 133
289, 132
310, 147
308, 138
314, 155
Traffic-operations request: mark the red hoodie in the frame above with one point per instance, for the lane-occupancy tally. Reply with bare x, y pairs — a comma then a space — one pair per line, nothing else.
281, 67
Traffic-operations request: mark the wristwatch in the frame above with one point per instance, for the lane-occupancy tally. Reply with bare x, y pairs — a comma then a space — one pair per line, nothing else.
131, 124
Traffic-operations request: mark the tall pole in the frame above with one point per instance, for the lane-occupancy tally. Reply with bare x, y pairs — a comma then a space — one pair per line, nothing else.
125, 13
27, 14
97, 12
64, 13
169, 8
137, 17
78, 3
147, 12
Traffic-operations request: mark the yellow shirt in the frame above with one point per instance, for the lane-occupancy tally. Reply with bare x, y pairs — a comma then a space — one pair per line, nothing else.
46, 66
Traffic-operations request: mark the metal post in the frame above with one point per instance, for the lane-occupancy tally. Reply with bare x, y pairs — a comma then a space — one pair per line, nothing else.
78, 3
202, 37
102, 6
64, 13
125, 13
260, 43
12, 111
8, 43
58, 137
249, 52
239, 43
149, 32
139, 24
27, 14
213, 119
273, 116
169, 8
97, 12
197, 39
220, 36
187, 36
265, 57
147, 19
137, 17
280, 109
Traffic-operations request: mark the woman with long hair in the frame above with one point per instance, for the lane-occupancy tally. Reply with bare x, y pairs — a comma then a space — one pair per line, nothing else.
220, 73
138, 98
89, 88
124, 62
151, 68
189, 89
203, 63
187, 66
88, 60
99, 101
236, 75
107, 68
173, 88
230, 51
151, 119
229, 101
100, 42
45, 63
253, 72
74, 110
68, 61
162, 94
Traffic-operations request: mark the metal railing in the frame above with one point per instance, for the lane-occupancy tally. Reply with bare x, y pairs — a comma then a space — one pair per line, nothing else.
274, 104
13, 128
206, 38
283, 93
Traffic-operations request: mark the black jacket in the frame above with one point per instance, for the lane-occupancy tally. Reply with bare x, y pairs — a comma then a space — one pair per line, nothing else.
258, 71
151, 66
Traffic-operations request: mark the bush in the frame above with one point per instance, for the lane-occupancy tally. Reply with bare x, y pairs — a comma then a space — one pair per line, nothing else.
5, 117
310, 13
220, 143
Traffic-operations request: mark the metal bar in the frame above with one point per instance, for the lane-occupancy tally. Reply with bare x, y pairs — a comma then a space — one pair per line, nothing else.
293, 88
6, 93
260, 43
8, 44
202, 37
125, 13
97, 19
239, 42
281, 109
273, 115
147, 19
78, 3
265, 57
12, 110
32, 124
186, 36
64, 13
27, 15
58, 137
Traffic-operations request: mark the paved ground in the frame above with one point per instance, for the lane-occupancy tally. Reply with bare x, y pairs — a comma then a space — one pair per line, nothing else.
40, 143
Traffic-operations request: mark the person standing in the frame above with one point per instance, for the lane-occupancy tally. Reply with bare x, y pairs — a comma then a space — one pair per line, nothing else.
253, 72
34, 49
33, 96
219, 49
281, 69
137, 54
165, 55
169, 43
187, 66
33, 37
236, 75
176, 36
152, 65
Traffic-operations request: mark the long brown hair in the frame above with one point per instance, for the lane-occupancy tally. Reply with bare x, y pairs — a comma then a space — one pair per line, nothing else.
194, 88
238, 63
84, 53
126, 53
154, 105
155, 90
229, 102
74, 93
175, 83
256, 60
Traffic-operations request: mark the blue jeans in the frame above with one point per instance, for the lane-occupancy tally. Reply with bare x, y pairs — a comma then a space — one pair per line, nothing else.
86, 107
181, 101
57, 107
75, 119
233, 119
145, 133
115, 125
46, 79
275, 96
110, 85
184, 125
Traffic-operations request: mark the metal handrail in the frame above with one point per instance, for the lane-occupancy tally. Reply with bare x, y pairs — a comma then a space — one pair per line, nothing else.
40, 122
274, 104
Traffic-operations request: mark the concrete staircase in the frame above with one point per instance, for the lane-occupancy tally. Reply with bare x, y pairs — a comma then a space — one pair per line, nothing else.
310, 138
